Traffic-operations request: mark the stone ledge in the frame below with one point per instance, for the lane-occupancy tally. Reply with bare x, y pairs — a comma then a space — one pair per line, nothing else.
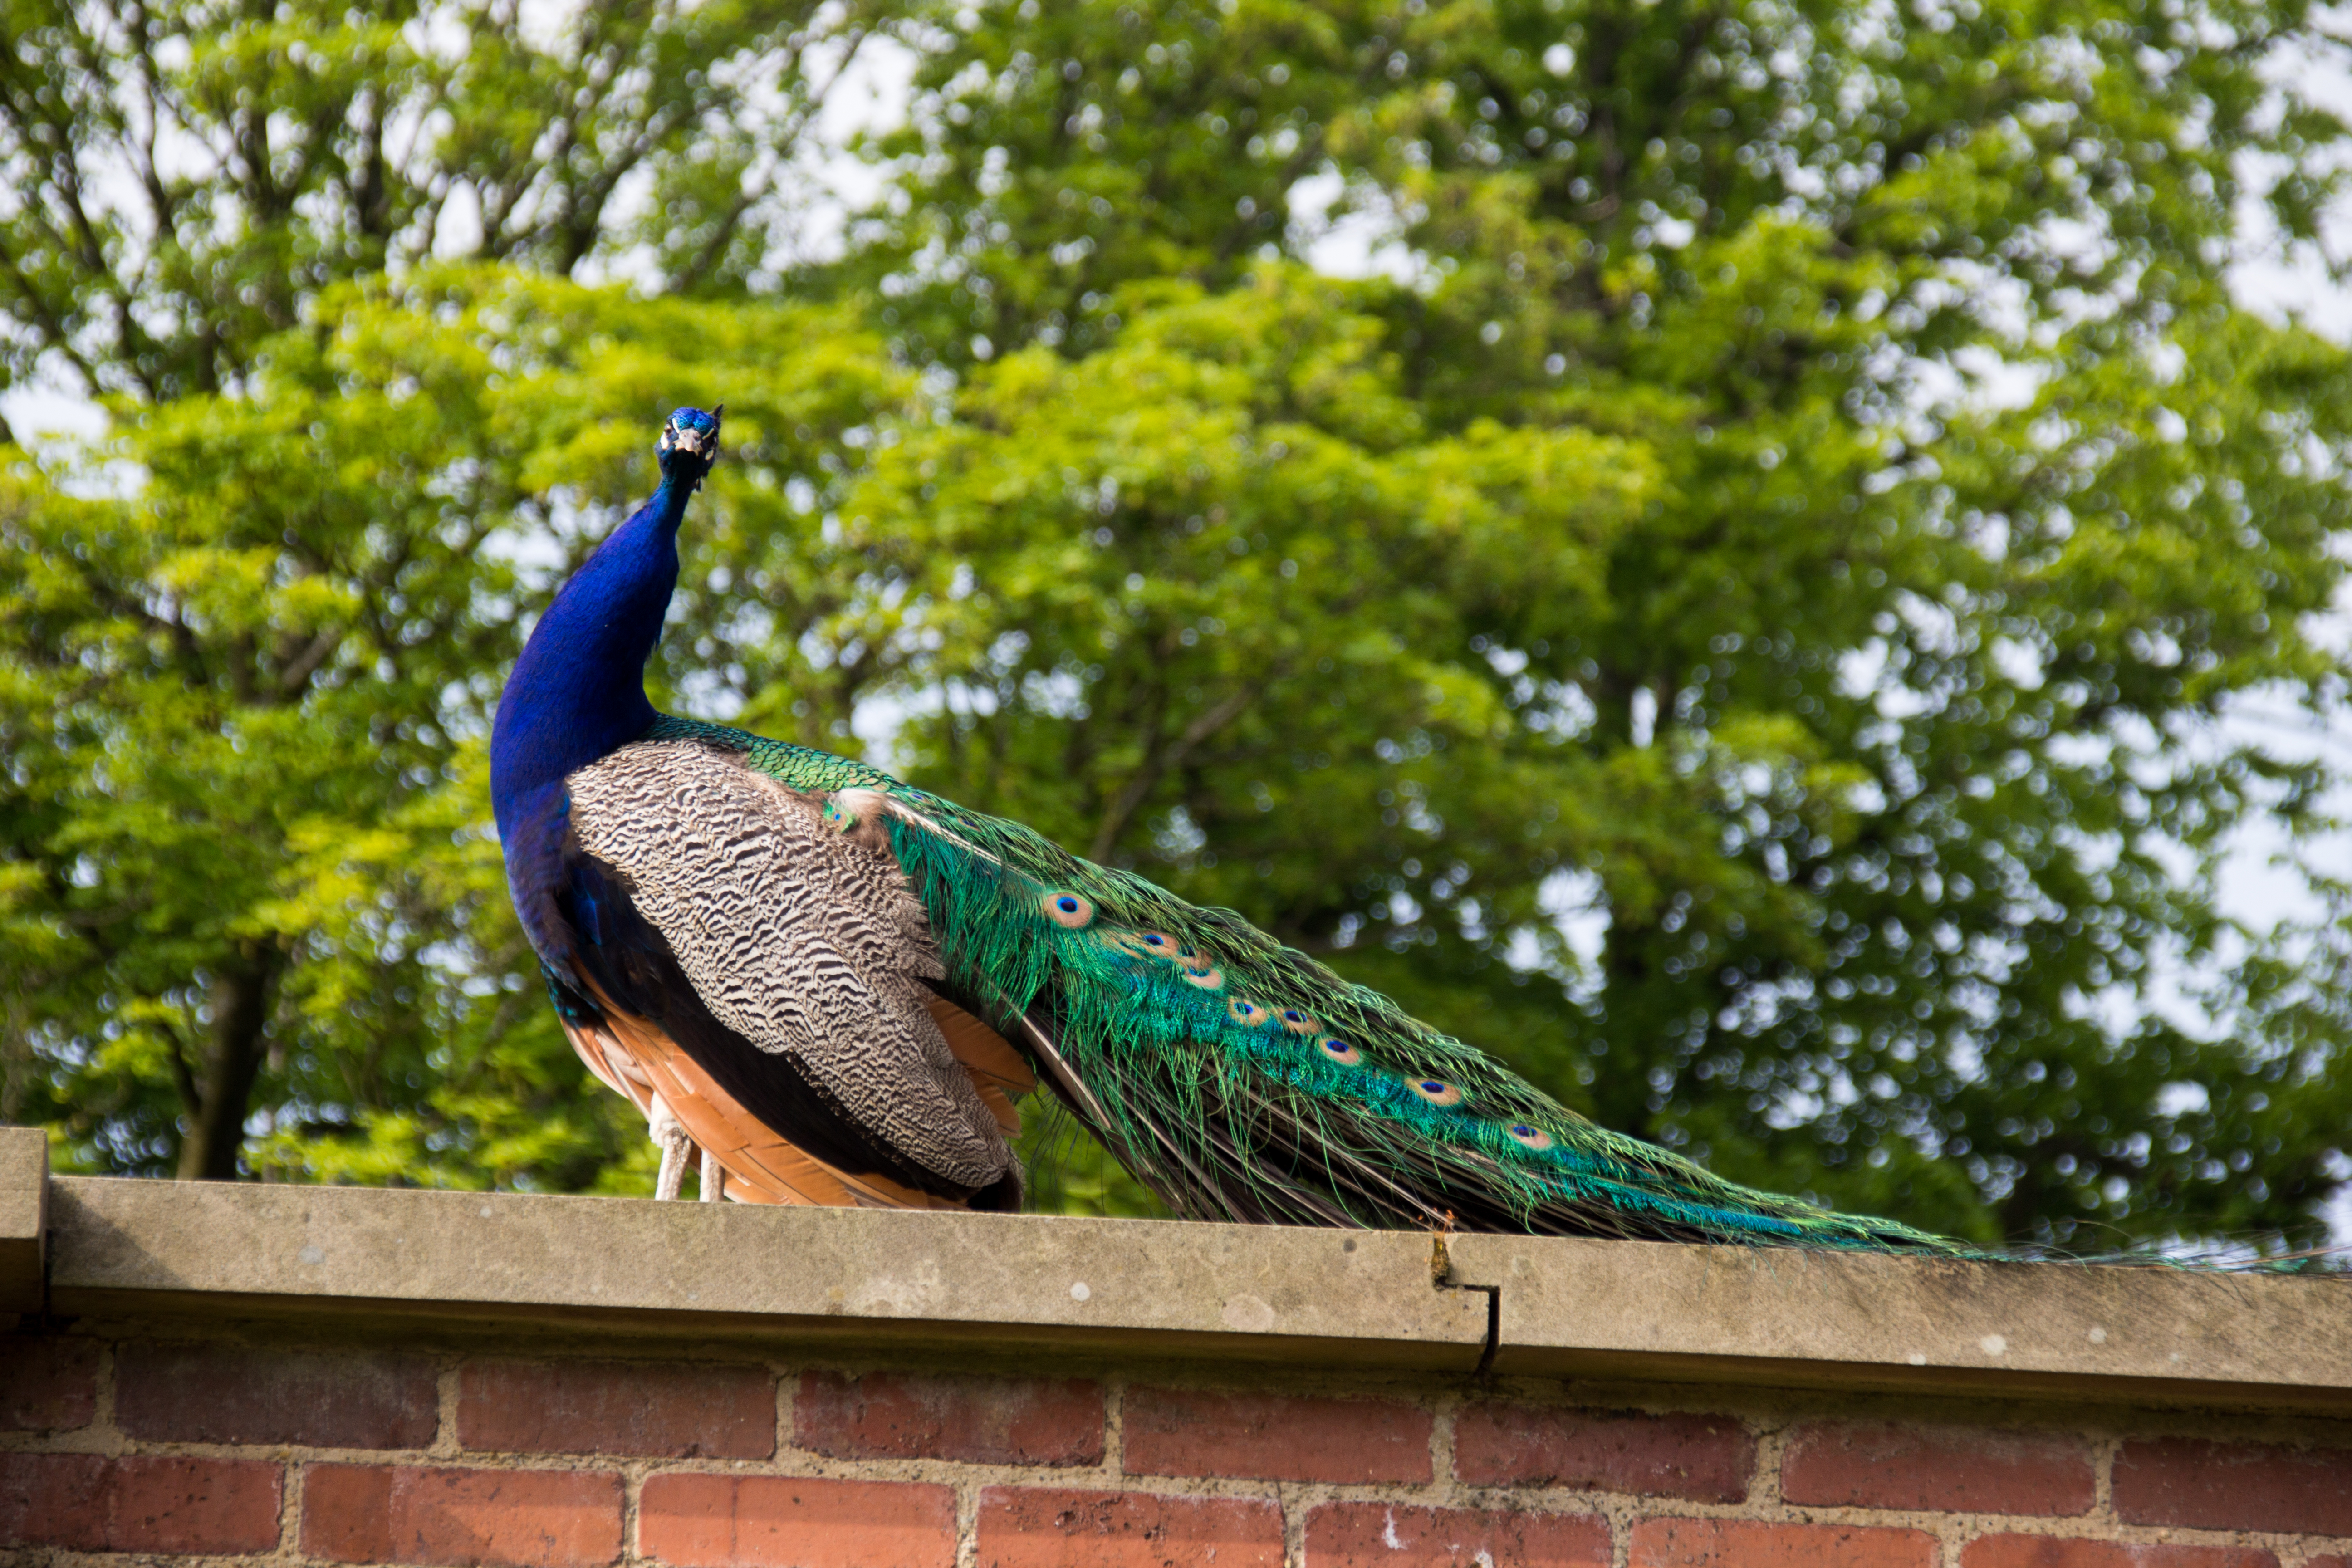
1875, 1322
24, 1217
1559, 1308
857, 1274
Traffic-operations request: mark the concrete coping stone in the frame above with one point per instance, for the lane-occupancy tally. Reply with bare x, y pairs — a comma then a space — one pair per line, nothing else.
24, 1217
1171, 1289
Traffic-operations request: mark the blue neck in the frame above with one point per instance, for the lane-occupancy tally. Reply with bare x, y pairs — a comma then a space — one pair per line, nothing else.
578, 692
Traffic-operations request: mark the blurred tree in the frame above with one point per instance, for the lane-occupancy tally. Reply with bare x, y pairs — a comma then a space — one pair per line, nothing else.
246, 879
1878, 754
181, 176
1056, 153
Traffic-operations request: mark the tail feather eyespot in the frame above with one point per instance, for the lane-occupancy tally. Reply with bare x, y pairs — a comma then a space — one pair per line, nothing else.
1528, 1137
839, 818
1340, 1051
1068, 910
1160, 944
1247, 1013
1211, 979
1296, 1022
1435, 1091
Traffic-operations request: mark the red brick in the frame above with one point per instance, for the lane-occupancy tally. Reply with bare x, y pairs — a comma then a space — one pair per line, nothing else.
231, 1394
418, 1513
1952, 1468
347, 1512
1022, 1527
2234, 1486
617, 1407
183, 1506
54, 1499
46, 1384
794, 1521
1706, 1458
981, 1421
2048, 1551
1349, 1534
1737, 1544
1273, 1437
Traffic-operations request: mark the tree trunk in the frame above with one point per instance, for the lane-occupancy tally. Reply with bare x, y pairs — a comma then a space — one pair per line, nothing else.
240, 1007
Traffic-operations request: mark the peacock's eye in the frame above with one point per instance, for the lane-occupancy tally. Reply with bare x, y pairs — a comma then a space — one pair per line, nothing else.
1435, 1091
1296, 1022
1209, 979
1249, 1015
1340, 1051
1534, 1138
1069, 911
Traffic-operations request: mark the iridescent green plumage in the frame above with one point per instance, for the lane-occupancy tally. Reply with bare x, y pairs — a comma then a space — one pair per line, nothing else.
1242, 1080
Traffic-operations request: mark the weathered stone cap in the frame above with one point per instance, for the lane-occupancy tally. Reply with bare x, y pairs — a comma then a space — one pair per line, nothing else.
1799, 1318
24, 1216
1174, 1290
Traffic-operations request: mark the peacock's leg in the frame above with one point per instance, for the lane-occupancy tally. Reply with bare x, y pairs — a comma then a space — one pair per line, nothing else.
666, 1131
714, 1178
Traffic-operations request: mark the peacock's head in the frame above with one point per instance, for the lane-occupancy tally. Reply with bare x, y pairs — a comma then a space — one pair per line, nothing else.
690, 436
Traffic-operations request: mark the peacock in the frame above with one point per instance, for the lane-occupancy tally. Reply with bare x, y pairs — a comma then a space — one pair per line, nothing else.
829, 987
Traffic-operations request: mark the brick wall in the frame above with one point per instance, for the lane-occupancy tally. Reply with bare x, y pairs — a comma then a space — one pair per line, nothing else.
525, 1450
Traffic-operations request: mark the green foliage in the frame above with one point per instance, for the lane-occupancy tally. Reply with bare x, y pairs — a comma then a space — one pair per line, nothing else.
1748, 630
185, 175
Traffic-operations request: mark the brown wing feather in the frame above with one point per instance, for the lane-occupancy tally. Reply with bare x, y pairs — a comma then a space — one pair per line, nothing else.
996, 1069
761, 1166
999, 1105
588, 1042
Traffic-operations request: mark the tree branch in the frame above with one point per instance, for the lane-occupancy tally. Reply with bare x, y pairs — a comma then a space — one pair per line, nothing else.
1160, 760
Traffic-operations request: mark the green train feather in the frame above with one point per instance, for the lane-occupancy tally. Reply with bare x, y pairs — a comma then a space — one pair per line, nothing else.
1241, 1079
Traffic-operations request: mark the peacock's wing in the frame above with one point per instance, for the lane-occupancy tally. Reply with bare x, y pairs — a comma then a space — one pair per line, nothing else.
737, 948
1242, 1080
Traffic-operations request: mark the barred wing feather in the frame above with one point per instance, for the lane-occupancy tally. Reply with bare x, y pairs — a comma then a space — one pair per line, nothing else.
751, 966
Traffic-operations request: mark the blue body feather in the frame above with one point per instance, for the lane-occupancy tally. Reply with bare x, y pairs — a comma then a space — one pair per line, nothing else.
578, 692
